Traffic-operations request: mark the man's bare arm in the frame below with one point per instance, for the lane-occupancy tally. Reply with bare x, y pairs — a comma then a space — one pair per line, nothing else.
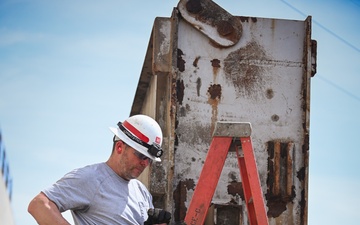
45, 211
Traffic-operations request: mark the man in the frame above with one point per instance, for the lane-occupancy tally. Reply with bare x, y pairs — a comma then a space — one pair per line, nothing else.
108, 193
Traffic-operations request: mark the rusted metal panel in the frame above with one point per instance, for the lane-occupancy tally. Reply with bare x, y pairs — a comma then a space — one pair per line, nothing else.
162, 49
264, 79
155, 97
261, 80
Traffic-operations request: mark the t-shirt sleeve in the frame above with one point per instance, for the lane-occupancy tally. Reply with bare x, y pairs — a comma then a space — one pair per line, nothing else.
72, 192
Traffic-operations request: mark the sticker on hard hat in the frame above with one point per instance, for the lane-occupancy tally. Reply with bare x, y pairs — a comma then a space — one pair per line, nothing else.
157, 140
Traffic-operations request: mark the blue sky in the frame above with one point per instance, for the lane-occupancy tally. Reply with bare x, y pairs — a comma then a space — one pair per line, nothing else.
69, 70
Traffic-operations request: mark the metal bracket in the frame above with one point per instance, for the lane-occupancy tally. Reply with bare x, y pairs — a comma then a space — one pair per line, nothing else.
212, 20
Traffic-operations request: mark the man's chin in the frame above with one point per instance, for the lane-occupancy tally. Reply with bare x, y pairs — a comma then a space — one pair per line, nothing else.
137, 173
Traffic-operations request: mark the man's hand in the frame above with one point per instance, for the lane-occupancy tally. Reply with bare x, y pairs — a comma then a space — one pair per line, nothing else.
158, 216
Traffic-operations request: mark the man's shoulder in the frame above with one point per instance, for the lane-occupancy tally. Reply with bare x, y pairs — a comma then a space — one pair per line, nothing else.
88, 171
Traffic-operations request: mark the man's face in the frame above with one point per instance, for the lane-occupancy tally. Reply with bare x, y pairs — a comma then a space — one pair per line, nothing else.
132, 163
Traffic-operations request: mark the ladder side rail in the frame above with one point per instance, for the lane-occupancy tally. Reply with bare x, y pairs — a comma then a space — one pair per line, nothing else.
246, 188
208, 180
254, 181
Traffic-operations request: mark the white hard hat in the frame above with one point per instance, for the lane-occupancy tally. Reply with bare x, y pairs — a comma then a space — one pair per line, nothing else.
142, 133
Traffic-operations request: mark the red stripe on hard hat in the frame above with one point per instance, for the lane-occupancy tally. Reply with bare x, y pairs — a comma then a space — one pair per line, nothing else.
136, 132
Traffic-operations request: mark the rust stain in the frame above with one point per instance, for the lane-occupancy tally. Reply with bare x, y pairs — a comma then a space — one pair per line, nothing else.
180, 61
275, 207
276, 184
314, 56
207, 12
214, 92
180, 91
193, 6
198, 86
225, 28
244, 69
179, 196
301, 174
235, 188
269, 93
195, 63
176, 143
305, 147
280, 188
289, 169
173, 99
247, 19
187, 107
273, 25
275, 118
215, 63
183, 110
232, 175
303, 207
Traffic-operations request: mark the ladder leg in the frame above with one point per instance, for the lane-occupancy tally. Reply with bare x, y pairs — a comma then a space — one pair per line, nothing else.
251, 184
208, 180
247, 190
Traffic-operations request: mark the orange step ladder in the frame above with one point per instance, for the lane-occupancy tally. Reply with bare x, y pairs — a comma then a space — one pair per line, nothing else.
224, 135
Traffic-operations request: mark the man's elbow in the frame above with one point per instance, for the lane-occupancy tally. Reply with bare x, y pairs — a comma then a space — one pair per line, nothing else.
37, 203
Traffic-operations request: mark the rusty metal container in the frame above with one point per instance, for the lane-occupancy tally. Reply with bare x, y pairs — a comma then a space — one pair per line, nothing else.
204, 65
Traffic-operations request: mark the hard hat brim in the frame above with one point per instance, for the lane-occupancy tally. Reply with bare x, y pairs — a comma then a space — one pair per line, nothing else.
143, 150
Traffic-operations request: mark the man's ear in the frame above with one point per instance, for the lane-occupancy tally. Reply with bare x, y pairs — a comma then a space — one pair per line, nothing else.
119, 146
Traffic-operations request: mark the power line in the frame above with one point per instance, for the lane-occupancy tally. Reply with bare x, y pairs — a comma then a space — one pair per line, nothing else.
339, 88
323, 27
348, 93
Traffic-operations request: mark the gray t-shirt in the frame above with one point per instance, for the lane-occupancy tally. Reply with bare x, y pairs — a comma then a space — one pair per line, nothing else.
95, 194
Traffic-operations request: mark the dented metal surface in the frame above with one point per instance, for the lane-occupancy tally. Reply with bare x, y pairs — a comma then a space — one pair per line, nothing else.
263, 79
